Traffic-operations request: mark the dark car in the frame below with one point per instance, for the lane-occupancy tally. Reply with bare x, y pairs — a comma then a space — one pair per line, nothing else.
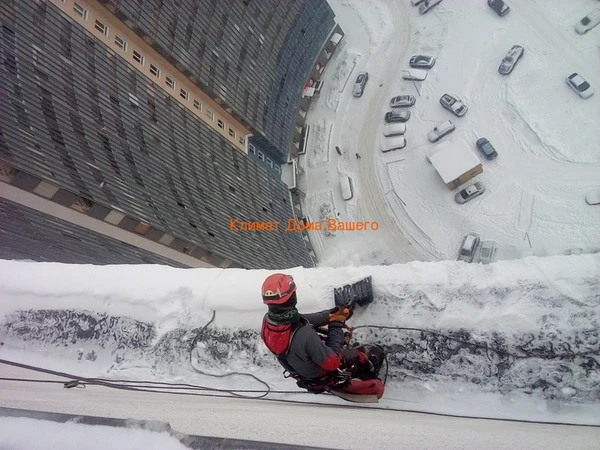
511, 59
499, 7
359, 85
428, 5
402, 101
397, 116
421, 62
454, 105
486, 148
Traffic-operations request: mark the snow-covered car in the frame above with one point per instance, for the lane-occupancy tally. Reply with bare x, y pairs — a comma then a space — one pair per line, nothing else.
469, 193
487, 252
416, 2
401, 101
397, 116
394, 129
359, 85
579, 85
414, 74
441, 130
454, 105
395, 143
486, 148
512, 58
588, 22
346, 187
428, 5
421, 62
593, 197
499, 7
468, 247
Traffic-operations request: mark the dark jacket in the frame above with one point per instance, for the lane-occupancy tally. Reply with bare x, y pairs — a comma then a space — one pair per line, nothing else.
309, 355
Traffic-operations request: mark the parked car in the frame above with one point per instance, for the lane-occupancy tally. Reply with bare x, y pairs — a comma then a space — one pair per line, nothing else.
416, 2
468, 247
414, 74
588, 22
486, 148
469, 193
394, 129
499, 7
593, 197
401, 101
454, 105
397, 116
428, 5
395, 143
512, 58
359, 85
579, 85
487, 252
441, 130
421, 62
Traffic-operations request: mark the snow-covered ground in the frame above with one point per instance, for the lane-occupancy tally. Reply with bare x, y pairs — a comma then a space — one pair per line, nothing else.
544, 134
150, 323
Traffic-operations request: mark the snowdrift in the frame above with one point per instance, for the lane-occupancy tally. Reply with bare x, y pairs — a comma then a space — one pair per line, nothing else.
524, 331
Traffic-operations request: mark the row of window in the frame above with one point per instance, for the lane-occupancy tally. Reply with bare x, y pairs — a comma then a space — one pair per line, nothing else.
154, 70
261, 156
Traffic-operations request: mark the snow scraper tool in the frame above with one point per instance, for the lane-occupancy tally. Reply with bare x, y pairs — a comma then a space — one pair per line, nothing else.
359, 293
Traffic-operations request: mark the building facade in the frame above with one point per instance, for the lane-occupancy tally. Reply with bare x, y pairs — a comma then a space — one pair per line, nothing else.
122, 114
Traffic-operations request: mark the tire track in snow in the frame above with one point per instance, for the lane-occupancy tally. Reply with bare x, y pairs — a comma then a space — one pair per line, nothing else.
525, 218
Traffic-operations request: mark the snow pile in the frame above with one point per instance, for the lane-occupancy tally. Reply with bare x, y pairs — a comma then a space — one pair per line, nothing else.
321, 209
540, 316
343, 67
318, 150
17, 433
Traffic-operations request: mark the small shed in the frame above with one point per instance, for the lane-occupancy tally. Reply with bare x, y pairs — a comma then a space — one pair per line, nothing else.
454, 163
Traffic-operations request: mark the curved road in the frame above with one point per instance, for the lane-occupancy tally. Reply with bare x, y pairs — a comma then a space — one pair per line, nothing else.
371, 202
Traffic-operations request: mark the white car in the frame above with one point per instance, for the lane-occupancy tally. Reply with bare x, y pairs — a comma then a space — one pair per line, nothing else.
359, 85
468, 247
414, 74
588, 22
579, 85
443, 129
394, 143
487, 252
593, 197
394, 129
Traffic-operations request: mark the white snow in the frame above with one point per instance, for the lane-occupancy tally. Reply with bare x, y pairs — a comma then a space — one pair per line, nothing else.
543, 132
510, 298
21, 433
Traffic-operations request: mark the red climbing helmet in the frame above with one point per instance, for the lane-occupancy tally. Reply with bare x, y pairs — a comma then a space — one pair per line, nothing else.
278, 289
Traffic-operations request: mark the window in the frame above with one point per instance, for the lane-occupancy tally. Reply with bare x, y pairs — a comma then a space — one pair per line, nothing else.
138, 57
80, 11
269, 162
261, 155
101, 27
210, 114
154, 70
221, 124
169, 82
278, 169
251, 149
197, 105
122, 44
241, 140
133, 100
232, 132
184, 95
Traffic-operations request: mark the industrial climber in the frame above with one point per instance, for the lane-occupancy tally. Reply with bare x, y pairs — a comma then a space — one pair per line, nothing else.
317, 362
